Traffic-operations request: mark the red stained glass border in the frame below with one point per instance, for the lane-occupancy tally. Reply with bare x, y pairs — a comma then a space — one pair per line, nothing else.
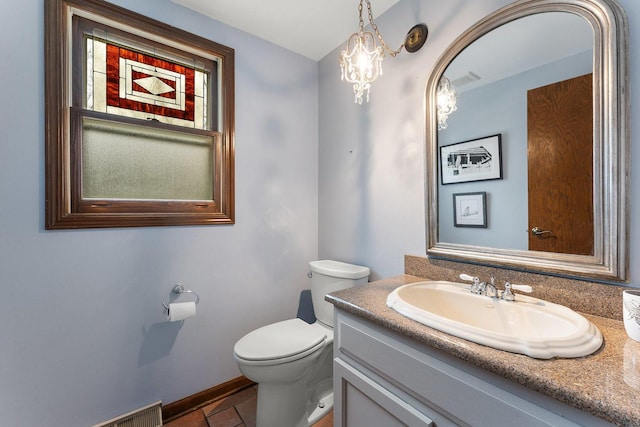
114, 53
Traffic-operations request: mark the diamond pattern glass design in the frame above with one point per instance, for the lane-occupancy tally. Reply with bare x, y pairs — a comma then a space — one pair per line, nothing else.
128, 83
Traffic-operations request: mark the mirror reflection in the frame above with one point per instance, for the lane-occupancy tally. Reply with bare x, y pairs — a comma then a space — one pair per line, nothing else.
497, 80
530, 168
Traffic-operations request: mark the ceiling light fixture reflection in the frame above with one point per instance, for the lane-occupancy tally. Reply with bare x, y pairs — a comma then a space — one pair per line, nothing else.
446, 99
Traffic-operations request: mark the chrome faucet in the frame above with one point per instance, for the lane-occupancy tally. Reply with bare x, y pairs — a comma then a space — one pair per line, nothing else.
490, 290
481, 288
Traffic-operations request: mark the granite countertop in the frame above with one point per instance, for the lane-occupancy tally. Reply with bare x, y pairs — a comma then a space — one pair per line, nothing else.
605, 384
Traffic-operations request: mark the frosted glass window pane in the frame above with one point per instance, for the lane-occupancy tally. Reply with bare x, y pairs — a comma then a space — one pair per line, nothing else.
123, 161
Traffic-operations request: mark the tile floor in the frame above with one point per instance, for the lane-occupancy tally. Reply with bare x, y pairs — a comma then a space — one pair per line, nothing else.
237, 410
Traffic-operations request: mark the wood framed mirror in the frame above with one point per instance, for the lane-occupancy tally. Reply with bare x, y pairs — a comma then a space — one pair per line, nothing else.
516, 44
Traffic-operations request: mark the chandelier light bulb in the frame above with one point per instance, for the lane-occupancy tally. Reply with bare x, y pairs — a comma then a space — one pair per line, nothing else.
361, 61
364, 64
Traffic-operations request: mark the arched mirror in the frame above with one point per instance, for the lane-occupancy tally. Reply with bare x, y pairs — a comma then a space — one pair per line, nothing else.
530, 168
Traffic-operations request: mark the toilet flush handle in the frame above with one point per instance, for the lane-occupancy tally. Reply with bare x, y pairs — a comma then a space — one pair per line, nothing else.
309, 274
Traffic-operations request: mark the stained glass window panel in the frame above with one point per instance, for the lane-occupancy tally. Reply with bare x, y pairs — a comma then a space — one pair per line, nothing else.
126, 82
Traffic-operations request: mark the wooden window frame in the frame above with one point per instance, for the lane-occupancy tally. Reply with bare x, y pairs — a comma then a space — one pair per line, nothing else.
64, 206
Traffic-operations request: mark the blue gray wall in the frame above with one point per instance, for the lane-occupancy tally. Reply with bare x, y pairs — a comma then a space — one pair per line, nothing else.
84, 337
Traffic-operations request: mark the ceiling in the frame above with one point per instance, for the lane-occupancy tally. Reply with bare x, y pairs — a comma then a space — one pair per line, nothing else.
312, 28
315, 28
519, 46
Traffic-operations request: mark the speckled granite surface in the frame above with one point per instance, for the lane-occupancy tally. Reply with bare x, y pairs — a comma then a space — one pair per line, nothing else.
579, 295
606, 383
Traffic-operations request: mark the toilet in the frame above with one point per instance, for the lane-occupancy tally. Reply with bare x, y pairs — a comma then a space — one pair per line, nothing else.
292, 360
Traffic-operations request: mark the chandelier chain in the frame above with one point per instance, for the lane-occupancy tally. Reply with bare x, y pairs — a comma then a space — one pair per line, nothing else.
392, 52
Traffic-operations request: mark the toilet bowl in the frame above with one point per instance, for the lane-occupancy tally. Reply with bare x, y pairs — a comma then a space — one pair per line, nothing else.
292, 360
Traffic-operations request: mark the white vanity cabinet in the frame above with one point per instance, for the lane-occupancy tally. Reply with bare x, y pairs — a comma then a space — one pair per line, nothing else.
385, 379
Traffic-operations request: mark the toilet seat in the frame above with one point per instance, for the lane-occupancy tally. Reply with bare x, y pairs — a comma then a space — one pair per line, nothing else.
281, 342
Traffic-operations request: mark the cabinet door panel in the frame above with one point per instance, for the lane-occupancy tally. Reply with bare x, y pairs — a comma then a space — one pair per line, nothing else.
444, 385
365, 403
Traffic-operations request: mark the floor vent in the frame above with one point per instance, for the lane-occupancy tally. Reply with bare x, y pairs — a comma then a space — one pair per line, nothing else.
148, 416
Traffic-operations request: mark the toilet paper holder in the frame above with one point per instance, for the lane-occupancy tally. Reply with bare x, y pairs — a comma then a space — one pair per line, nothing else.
179, 289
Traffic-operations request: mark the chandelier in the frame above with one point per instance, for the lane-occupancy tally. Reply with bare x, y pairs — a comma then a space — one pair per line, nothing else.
446, 102
361, 61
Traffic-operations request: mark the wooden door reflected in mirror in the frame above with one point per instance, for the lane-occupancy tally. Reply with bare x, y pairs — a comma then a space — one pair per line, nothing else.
560, 166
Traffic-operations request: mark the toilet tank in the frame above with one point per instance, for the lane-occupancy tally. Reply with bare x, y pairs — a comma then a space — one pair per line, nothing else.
329, 276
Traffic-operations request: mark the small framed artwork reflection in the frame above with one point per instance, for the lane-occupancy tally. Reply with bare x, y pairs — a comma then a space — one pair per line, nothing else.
470, 209
475, 160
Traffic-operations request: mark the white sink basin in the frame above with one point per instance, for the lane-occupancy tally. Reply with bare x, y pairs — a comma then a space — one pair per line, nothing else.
528, 325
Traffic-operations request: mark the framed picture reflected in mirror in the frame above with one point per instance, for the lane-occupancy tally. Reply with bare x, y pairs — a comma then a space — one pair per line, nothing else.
470, 209
476, 160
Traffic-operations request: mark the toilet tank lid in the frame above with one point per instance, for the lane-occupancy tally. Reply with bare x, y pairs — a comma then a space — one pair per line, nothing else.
339, 269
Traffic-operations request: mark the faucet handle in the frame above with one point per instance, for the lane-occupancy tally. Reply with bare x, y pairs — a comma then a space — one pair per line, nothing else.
522, 288
475, 287
467, 277
507, 295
